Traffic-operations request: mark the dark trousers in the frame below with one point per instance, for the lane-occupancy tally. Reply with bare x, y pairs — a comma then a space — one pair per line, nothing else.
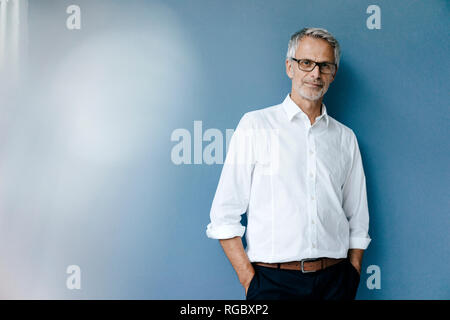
338, 282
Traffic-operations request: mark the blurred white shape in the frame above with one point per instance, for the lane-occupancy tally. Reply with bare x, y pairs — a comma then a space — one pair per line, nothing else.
99, 106
13, 37
115, 89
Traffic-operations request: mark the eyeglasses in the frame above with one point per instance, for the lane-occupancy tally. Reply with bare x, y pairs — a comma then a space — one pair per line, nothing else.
308, 65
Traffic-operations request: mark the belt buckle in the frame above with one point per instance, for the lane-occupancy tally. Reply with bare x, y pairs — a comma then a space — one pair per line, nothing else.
301, 263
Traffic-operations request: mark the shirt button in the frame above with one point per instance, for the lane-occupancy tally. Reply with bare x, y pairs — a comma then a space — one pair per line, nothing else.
311, 174
311, 152
312, 221
313, 245
312, 197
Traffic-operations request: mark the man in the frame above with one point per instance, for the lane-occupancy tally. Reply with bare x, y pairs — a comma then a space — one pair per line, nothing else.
302, 185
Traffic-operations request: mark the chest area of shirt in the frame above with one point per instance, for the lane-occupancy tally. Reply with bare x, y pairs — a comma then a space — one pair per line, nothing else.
285, 152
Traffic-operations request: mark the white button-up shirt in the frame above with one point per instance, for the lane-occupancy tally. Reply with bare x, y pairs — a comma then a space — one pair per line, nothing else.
303, 187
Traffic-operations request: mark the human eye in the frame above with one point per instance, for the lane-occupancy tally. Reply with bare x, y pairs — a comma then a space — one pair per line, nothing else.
326, 66
305, 63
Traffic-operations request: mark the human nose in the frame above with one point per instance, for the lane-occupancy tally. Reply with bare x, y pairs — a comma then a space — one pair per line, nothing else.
315, 71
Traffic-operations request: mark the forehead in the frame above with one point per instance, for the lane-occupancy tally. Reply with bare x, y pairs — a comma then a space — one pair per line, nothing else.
314, 49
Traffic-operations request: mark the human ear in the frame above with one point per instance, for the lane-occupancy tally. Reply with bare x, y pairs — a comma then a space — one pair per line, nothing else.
289, 69
334, 75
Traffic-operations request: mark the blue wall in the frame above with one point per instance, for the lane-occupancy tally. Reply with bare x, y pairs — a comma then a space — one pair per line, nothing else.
87, 173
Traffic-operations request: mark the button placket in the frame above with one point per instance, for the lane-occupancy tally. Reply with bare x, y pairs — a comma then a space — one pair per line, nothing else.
311, 183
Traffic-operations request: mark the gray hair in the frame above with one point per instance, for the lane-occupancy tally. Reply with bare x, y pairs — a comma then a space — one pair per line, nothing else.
315, 33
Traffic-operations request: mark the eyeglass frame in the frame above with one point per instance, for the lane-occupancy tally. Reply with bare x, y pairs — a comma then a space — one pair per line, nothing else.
320, 64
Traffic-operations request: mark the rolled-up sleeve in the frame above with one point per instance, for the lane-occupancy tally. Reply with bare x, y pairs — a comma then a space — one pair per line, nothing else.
355, 200
233, 191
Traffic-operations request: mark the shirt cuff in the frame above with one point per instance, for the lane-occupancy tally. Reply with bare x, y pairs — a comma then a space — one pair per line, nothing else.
224, 231
359, 243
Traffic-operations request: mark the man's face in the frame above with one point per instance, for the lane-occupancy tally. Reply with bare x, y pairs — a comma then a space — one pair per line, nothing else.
311, 85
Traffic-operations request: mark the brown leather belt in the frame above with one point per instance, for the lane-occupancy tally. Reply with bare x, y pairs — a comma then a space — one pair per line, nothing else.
305, 266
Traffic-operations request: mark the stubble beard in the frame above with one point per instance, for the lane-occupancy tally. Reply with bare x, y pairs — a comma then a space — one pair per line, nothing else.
308, 93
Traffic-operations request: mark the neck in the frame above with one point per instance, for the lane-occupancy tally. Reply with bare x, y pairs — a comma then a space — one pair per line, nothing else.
312, 108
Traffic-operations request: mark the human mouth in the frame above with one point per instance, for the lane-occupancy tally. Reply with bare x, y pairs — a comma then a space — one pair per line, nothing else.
313, 85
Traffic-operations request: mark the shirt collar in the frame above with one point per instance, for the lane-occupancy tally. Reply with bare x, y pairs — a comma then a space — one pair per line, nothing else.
292, 110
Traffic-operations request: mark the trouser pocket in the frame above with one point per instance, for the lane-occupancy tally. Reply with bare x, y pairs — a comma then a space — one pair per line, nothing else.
252, 286
354, 279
